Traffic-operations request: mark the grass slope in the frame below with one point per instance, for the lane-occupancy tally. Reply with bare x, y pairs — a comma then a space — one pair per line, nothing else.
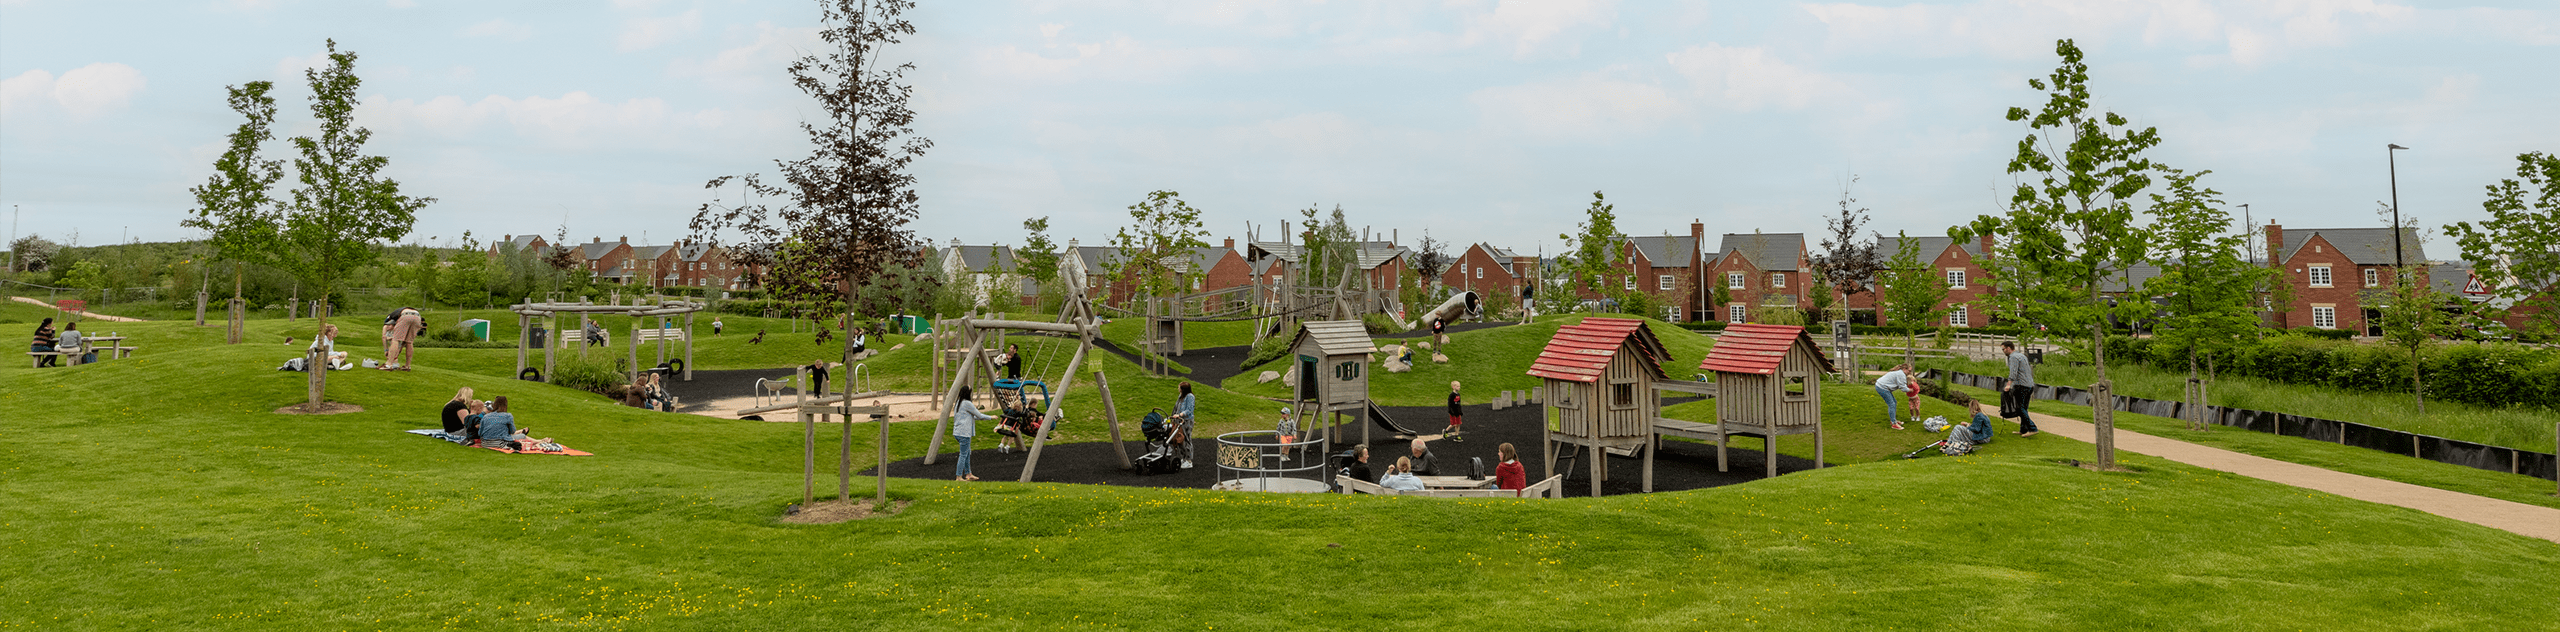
1485, 362
127, 513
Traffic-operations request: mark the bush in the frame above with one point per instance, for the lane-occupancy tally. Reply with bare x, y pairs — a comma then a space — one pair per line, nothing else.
2489, 374
1269, 349
598, 375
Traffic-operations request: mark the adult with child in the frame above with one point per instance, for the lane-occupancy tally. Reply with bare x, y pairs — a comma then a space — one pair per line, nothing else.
498, 428
2020, 391
1183, 408
44, 343
1890, 385
404, 337
1400, 477
1509, 474
1011, 361
964, 426
388, 322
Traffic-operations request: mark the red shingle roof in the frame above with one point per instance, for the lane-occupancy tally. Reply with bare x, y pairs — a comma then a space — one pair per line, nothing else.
1581, 352
1756, 349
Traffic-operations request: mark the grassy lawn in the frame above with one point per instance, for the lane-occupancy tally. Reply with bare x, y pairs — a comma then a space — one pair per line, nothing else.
218, 515
2514, 427
1854, 429
1485, 362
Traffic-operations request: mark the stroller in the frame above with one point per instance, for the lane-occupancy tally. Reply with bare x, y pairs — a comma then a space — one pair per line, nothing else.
1961, 438
1162, 436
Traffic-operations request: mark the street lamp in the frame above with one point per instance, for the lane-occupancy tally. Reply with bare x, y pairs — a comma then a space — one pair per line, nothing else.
2397, 261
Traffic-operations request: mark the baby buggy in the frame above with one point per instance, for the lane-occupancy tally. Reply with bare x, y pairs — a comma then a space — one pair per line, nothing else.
1163, 436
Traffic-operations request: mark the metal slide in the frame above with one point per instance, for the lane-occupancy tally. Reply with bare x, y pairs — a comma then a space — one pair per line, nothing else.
1380, 417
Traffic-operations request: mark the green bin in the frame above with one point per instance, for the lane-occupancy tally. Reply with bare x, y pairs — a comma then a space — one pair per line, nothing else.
479, 328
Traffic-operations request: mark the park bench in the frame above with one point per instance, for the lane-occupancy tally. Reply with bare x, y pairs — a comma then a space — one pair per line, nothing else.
673, 335
68, 357
1553, 487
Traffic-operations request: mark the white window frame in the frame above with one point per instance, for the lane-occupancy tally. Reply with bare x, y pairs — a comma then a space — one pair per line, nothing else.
2324, 318
1735, 313
1733, 281
2320, 277
2372, 277
1671, 313
1664, 282
1955, 278
1479, 272
1777, 279
1961, 316
1631, 282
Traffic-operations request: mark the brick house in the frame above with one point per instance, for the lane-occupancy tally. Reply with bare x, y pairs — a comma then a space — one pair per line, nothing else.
705, 266
1223, 267
651, 266
530, 245
2339, 275
606, 259
1758, 269
1666, 267
1485, 268
1959, 263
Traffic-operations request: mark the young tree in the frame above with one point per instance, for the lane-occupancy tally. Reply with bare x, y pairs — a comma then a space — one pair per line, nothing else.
238, 190
32, 254
1595, 247
2207, 279
2517, 251
1430, 258
2415, 317
1158, 242
341, 211
1330, 245
1848, 264
2070, 221
466, 281
1911, 295
1038, 258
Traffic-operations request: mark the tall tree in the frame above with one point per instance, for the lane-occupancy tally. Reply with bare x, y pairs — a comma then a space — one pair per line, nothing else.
1038, 257
2070, 222
2206, 279
2516, 253
1848, 263
1911, 295
1593, 249
1157, 244
1430, 258
340, 213
846, 205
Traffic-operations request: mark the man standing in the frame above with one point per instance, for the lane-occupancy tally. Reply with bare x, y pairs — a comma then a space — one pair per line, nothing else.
2020, 391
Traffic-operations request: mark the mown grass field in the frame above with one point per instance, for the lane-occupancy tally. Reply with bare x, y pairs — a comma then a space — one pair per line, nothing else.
1484, 362
160, 493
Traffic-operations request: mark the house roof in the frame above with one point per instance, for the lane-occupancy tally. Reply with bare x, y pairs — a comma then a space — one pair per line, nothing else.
2132, 279
523, 242
1581, 352
2363, 246
1336, 337
1205, 257
1501, 256
1757, 349
979, 258
1930, 247
2451, 278
1096, 259
596, 249
693, 251
1770, 251
648, 253
1668, 251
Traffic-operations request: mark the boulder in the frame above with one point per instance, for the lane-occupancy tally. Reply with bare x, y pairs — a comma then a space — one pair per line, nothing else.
1440, 358
1266, 377
1397, 366
1424, 344
1289, 378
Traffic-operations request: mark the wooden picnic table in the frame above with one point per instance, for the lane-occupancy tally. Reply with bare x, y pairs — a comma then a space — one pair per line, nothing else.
1455, 482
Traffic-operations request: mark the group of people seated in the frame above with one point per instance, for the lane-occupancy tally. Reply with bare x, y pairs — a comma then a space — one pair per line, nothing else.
650, 392
1407, 472
68, 340
488, 424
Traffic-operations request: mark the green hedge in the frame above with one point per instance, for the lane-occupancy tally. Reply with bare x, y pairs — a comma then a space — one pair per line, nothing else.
2489, 374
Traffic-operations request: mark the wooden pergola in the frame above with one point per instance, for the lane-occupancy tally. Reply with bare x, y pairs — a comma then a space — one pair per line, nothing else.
640, 310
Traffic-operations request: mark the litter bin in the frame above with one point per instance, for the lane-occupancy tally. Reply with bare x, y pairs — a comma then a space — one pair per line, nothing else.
538, 337
919, 325
479, 328
2035, 356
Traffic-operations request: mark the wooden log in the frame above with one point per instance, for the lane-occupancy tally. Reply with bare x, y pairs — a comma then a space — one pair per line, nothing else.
688, 347
522, 323
951, 394
1057, 406
1111, 416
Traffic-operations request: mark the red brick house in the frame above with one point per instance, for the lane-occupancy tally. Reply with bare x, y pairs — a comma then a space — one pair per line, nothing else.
651, 266
1666, 267
528, 245
1484, 268
705, 266
2339, 276
1758, 269
606, 259
1959, 263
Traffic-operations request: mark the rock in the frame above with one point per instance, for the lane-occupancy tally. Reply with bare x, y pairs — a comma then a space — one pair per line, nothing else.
1289, 378
897, 347
1440, 358
1424, 344
1266, 377
1397, 366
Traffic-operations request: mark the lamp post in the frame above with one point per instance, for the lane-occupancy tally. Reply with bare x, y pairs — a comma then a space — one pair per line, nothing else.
2397, 261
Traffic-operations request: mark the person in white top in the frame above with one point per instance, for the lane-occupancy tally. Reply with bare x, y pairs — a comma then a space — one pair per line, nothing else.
1891, 384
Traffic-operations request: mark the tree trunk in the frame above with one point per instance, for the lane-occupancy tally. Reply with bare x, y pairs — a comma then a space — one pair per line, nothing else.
2102, 408
2195, 394
318, 382
2417, 385
238, 310
2204, 393
881, 501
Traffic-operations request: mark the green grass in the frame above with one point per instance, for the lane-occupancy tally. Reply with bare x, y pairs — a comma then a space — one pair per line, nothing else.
126, 513
1484, 362
2514, 427
1854, 429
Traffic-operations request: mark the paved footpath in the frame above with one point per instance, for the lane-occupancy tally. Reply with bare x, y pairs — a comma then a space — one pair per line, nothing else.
87, 315
2529, 520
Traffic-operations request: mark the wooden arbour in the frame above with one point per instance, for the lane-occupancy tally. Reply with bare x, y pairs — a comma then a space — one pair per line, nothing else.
639, 310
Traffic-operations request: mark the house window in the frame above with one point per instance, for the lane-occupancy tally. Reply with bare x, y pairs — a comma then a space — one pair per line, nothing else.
1479, 273
1798, 385
2372, 277
1671, 313
1960, 316
2324, 317
1733, 280
2320, 276
1662, 282
1955, 279
1777, 279
1631, 281
1462, 270
1622, 395
1733, 313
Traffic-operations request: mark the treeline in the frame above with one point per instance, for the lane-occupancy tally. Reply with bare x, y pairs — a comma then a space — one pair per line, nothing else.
169, 274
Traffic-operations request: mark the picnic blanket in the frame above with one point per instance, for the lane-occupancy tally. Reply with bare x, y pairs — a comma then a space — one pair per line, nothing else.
438, 433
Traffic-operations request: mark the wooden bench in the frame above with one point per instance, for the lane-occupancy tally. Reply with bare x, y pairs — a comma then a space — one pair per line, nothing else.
676, 335
1553, 487
572, 337
70, 357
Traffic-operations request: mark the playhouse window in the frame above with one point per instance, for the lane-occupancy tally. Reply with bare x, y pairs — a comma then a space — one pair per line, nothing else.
1622, 395
1563, 397
1347, 371
1797, 384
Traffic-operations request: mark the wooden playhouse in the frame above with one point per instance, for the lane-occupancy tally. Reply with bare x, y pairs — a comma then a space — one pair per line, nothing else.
1768, 383
1599, 390
1331, 367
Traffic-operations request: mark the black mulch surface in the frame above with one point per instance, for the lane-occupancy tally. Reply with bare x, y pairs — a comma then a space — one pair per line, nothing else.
711, 385
1681, 465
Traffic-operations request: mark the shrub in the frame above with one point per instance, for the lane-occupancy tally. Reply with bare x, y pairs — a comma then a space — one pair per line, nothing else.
594, 375
2489, 374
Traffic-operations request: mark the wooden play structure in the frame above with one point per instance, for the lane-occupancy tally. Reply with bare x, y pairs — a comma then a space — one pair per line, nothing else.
640, 310
1331, 361
983, 339
1768, 383
1599, 391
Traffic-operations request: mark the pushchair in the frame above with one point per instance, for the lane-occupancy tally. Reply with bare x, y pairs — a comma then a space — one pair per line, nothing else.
1961, 438
1162, 435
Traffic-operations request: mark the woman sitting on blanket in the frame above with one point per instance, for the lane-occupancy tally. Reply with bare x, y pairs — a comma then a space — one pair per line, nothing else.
461, 414
498, 429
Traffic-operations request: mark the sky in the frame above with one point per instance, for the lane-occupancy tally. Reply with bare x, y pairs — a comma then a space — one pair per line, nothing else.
1473, 121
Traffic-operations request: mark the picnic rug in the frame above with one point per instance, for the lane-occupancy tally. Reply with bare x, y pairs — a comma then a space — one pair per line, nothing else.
438, 434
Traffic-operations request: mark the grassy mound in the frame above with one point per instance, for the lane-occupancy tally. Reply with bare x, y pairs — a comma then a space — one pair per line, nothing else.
1485, 362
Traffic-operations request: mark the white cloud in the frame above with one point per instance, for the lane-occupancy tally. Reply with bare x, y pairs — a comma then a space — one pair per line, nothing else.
82, 92
1599, 105
572, 120
759, 61
646, 33
2252, 33
1748, 78
25, 90
1525, 26
1120, 57
499, 29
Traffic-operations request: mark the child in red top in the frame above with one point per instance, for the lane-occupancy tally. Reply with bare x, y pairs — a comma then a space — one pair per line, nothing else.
1457, 416
1509, 474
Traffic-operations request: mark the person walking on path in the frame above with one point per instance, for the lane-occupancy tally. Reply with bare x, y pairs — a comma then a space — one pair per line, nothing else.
964, 426
1183, 410
2021, 389
1457, 415
1890, 385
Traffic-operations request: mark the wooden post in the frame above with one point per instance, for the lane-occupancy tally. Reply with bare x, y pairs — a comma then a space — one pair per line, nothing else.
239, 318
1111, 417
523, 336
808, 440
688, 346
951, 393
1057, 406
844, 462
1652, 444
1599, 458
635, 349
1817, 444
936, 401
881, 502
550, 346
201, 299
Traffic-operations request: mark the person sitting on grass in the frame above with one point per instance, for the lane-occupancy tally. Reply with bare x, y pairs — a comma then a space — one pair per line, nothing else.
1892, 383
964, 426
459, 413
1509, 474
44, 343
1422, 460
326, 342
1400, 477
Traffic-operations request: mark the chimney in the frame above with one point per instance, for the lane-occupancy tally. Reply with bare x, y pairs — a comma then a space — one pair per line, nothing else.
626, 239
509, 238
2275, 244
595, 240
1697, 242
1231, 243
1986, 243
